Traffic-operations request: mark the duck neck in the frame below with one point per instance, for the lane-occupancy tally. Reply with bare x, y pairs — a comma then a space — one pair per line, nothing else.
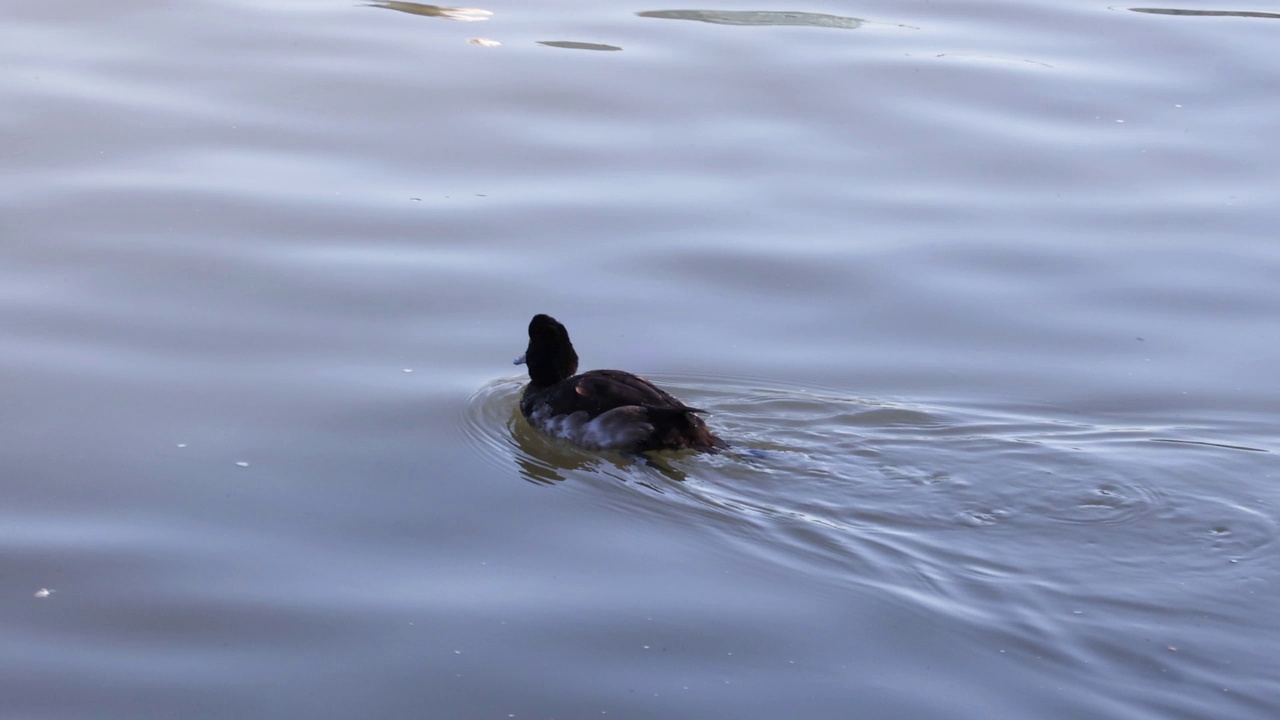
547, 370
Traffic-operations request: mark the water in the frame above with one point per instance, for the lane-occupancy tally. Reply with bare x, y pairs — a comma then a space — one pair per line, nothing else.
983, 293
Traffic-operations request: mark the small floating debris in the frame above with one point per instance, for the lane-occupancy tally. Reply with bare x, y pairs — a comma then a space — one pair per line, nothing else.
461, 14
574, 45
408, 370
1208, 13
182, 445
1207, 443
483, 42
997, 58
44, 592
242, 464
757, 17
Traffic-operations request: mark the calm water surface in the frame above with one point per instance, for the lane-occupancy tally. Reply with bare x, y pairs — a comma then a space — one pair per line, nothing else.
984, 293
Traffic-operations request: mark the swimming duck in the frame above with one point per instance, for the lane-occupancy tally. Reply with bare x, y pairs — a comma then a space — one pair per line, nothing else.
602, 409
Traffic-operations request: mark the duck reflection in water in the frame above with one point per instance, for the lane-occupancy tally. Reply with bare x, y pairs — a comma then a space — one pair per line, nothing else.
546, 461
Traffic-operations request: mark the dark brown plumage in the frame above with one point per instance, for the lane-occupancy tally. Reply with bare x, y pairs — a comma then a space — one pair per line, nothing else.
603, 408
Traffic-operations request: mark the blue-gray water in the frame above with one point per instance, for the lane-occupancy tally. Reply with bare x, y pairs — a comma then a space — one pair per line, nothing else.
984, 292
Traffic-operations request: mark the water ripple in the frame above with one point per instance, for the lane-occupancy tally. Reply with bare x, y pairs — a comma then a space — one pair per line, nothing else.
959, 511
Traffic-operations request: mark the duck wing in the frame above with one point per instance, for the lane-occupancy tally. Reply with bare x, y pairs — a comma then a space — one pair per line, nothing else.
604, 390
631, 404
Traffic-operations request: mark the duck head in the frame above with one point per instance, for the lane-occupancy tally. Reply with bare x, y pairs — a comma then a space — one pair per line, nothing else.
550, 356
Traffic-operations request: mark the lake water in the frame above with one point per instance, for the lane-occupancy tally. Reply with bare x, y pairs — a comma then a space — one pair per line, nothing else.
985, 294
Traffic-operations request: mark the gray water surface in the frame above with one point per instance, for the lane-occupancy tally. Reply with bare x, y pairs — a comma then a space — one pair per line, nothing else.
984, 294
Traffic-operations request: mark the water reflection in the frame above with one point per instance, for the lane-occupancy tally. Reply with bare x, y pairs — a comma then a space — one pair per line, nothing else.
1208, 13
571, 45
995, 58
753, 17
461, 14
545, 461
1206, 443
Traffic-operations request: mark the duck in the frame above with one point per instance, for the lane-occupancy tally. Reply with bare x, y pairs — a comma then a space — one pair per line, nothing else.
603, 409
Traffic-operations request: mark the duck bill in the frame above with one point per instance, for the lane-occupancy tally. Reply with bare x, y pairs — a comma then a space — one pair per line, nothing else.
519, 360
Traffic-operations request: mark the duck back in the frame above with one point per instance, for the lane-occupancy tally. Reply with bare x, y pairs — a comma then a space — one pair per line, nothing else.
612, 408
